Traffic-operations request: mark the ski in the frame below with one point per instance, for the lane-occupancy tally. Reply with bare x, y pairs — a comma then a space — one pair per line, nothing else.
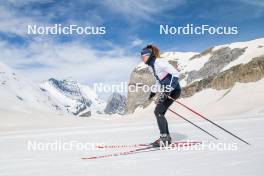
122, 146
142, 150
145, 149
136, 145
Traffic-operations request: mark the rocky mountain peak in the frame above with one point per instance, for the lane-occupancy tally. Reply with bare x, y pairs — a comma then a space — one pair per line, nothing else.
116, 104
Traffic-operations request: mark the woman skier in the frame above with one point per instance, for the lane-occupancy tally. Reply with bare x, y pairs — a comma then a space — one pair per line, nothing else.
168, 77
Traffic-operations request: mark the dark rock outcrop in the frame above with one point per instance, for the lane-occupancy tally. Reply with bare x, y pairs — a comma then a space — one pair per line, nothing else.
86, 114
141, 77
219, 59
243, 73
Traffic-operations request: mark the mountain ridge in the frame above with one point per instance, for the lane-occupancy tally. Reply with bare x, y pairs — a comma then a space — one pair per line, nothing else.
197, 70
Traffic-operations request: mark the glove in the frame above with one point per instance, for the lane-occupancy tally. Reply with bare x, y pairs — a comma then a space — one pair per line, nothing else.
162, 97
152, 94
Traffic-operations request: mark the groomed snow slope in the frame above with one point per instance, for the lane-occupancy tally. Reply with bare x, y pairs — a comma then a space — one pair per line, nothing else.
246, 160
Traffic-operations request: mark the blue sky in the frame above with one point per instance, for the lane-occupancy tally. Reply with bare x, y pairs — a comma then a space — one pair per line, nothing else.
130, 25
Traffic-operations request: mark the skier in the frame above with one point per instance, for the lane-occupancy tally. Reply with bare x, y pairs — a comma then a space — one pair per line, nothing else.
167, 76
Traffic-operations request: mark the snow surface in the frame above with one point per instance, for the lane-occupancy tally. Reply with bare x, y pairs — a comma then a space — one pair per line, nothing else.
179, 55
247, 160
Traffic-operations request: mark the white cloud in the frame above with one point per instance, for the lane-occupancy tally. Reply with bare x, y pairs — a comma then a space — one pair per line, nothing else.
14, 20
258, 3
25, 2
42, 60
132, 10
137, 42
43, 57
11, 22
142, 9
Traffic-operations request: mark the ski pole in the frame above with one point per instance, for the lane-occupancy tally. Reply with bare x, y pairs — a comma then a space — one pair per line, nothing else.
209, 121
193, 124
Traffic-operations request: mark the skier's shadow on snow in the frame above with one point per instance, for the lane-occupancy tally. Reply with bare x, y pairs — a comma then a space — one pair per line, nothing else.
177, 136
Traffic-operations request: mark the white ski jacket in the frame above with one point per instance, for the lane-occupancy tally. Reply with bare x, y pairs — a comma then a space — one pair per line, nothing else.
163, 68
165, 73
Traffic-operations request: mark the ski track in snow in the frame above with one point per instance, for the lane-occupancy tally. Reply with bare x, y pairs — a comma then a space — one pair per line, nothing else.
16, 160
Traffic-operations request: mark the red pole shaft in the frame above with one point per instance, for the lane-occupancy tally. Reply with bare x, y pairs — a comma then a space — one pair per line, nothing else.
210, 121
193, 124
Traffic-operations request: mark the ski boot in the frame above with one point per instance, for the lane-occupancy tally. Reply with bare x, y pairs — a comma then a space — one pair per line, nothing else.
163, 141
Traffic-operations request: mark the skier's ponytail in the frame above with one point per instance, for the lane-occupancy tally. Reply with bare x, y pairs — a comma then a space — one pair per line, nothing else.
155, 50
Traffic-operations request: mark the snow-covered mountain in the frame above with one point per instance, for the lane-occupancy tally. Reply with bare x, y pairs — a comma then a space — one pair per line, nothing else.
78, 99
219, 68
216, 59
19, 94
116, 104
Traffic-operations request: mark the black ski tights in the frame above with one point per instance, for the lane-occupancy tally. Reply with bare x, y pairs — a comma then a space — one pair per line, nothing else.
161, 109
